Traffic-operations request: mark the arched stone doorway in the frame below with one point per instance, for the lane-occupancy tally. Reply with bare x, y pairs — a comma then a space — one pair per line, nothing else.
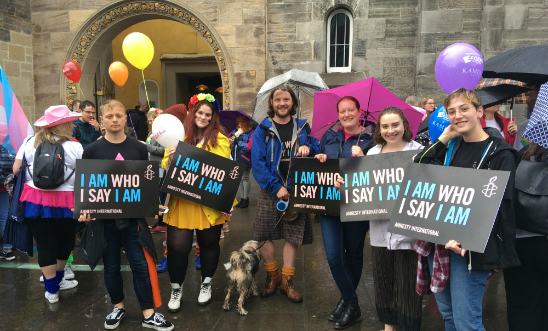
99, 30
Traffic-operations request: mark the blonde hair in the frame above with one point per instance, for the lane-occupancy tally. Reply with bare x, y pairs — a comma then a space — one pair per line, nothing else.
61, 131
465, 95
109, 104
424, 101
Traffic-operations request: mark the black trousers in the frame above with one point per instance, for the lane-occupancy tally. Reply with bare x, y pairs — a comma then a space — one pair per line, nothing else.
527, 286
55, 238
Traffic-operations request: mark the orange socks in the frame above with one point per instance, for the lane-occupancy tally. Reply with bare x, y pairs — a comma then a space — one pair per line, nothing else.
271, 267
286, 271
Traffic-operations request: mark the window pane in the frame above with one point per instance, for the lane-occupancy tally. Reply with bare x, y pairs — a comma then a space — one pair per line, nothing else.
341, 28
346, 55
333, 28
332, 56
340, 56
348, 27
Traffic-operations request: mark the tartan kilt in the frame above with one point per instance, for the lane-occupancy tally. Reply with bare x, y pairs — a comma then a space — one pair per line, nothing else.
297, 232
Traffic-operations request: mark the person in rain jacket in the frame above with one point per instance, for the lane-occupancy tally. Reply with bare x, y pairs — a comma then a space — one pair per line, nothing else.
278, 140
463, 277
240, 141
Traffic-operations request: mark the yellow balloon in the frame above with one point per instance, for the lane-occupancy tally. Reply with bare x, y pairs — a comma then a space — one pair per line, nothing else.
138, 50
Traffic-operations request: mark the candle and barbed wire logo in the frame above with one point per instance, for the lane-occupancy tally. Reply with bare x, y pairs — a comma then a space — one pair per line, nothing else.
149, 173
234, 173
490, 188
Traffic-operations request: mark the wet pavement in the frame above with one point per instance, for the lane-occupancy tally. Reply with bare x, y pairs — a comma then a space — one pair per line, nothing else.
23, 307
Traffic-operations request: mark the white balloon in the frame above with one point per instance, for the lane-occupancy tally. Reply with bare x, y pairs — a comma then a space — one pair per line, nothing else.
168, 130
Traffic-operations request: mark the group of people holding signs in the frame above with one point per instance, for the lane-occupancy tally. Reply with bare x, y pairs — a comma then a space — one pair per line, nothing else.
432, 228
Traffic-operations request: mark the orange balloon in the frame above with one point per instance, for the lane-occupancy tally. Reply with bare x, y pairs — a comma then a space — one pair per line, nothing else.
118, 73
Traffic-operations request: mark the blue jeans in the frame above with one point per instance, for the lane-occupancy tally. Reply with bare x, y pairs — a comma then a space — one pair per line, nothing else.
460, 302
343, 244
127, 238
4, 208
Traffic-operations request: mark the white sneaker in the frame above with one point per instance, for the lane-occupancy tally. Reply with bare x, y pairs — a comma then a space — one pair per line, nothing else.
69, 274
52, 298
205, 294
174, 304
67, 284
42, 279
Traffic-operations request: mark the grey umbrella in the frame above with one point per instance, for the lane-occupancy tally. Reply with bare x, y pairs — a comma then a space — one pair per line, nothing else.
304, 84
494, 95
525, 64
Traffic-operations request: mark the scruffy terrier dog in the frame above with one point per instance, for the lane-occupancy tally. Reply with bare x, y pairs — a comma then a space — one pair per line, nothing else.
240, 274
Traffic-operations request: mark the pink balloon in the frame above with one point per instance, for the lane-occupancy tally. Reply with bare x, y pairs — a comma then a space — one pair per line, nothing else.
459, 65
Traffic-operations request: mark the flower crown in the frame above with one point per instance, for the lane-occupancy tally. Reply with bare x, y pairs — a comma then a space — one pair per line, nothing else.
156, 111
200, 97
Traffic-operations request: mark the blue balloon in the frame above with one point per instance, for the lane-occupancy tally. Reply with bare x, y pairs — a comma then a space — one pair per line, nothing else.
438, 122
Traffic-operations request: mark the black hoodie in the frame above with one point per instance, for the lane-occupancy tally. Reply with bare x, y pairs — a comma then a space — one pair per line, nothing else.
140, 123
500, 251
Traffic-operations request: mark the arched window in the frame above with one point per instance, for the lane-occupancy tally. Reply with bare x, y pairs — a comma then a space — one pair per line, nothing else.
153, 92
339, 45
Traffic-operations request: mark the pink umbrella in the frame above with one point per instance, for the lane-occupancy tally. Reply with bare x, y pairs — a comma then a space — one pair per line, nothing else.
373, 98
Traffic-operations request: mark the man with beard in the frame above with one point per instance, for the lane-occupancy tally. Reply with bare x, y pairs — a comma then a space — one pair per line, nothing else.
278, 139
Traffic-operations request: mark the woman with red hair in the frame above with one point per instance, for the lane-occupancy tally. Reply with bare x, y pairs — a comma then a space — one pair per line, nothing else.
203, 130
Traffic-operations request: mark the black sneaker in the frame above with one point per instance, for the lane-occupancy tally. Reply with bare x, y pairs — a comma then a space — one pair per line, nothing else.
157, 322
114, 318
7, 256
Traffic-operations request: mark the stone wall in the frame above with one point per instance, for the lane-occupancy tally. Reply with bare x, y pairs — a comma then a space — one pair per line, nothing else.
16, 51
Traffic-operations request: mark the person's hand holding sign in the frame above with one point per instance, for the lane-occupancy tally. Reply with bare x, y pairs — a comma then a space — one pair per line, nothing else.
339, 182
455, 247
321, 157
303, 151
84, 217
356, 150
282, 193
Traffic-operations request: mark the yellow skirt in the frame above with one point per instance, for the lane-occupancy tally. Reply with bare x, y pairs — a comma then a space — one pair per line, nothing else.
190, 215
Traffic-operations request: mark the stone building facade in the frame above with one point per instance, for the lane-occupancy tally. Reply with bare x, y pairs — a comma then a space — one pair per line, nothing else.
395, 41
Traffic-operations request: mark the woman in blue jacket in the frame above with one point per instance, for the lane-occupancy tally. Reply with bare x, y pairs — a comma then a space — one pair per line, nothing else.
344, 241
240, 143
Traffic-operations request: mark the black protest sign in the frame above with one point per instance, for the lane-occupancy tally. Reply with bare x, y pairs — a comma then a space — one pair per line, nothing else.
116, 189
438, 204
312, 189
203, 177
372, 184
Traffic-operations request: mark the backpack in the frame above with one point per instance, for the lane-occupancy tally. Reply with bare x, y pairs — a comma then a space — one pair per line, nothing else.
6, 164
48, 167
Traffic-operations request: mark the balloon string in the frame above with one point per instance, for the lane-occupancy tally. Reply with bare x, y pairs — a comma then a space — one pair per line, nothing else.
129, 115
144, 82
78, 83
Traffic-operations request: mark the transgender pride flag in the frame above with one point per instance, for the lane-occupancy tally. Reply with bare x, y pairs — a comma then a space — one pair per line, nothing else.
14, 126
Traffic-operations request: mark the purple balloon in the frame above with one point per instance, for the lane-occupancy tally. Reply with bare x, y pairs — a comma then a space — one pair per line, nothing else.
459, 65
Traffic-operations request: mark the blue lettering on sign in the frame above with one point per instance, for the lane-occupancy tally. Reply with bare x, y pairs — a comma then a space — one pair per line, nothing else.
178, 159
116, 195
450, 215
380, 193
439, 212
321, 192
214, 187
296, 177
132, 195
92, 182
102, 180
201, 182
355, 180
462, 216
82, 180
364, 178
417, 191
407, 187
393, 194
191, 165
428, 191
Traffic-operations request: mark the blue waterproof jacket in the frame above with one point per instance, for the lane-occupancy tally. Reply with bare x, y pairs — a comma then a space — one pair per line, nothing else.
266, 152
241, 149
334, 146
85, 133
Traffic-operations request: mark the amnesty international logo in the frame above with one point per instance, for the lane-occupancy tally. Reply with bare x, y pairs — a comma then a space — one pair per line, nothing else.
234, 173
149, 174
490, 188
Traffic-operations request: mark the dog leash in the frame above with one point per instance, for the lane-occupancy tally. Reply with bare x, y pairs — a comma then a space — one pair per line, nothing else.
272, 231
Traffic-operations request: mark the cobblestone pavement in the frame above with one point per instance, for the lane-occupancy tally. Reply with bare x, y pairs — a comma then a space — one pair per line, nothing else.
23, 307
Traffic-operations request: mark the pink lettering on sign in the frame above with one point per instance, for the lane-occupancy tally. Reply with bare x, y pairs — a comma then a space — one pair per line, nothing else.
159, 134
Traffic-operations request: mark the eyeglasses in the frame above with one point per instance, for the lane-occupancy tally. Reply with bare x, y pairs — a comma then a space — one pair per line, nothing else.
89, 112
463, 111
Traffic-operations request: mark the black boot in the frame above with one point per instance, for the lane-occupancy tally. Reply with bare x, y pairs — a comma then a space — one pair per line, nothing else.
337, 313
352, 313
245, 203
239, 203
